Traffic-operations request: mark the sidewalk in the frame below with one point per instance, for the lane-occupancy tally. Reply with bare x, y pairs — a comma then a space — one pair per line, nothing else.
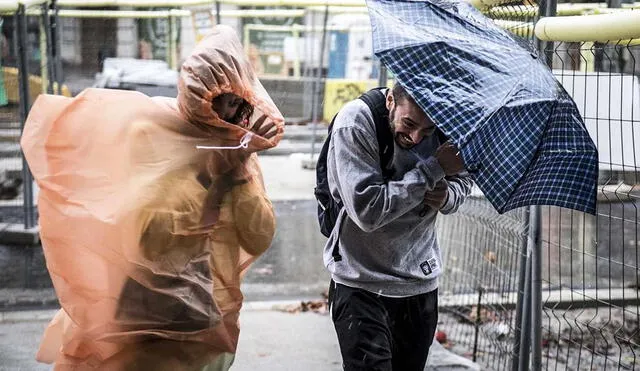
270, 340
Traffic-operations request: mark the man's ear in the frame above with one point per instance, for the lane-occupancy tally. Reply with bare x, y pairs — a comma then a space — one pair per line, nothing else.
389, 101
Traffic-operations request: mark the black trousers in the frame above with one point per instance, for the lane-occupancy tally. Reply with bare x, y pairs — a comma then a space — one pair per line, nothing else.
382, 333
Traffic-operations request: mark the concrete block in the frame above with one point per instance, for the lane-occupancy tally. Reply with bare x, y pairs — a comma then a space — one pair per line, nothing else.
16, 234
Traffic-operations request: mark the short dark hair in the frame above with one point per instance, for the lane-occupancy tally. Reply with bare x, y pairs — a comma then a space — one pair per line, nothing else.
400, 94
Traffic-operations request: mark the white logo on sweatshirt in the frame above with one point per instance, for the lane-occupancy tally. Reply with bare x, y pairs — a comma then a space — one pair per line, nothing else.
429, 266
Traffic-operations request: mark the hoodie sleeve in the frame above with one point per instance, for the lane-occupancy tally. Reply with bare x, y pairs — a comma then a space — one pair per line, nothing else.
355, 175
254, 216
459, 188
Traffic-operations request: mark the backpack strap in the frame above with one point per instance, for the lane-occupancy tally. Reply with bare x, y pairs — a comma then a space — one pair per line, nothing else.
377, 103
321, 173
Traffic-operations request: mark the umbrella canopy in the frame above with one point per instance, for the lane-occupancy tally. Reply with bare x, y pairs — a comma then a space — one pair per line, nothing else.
519, 132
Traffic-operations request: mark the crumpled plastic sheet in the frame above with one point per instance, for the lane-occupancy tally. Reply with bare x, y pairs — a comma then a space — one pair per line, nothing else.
147, 237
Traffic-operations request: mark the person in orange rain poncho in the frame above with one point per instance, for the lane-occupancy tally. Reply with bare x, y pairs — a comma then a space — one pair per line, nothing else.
151, 210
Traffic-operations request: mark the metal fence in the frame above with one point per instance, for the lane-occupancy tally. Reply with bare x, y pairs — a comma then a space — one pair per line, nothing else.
482, 253
589, 265
594, 260
29, 69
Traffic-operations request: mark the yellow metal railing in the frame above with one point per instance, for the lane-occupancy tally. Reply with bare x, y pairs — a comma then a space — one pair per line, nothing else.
622, 25
131, 3
522, 29
571, 14
181, 3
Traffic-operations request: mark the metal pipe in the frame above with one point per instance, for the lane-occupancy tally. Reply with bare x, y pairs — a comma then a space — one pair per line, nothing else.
141, 14
132, 3
217, 12
486, 4
261, 13
303, 28
480, 4
168, 41
173, 45
536, 287
527, 11
29, 3
172, 49
548, 10
518, 28
522, 277
57, 57
43, 30
8, 7
522, 29
23, 70
299, 3
525, 325
621, 25
477, 325
623, 7
316, 90
245, 40
506, 11
382, 78
151, 14
46, 22
341, 9
296, 55
180, 3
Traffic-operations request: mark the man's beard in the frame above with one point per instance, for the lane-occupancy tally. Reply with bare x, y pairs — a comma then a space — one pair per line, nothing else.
392, 126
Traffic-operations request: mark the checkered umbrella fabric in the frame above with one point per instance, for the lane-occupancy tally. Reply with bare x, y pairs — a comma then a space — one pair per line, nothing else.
519, 132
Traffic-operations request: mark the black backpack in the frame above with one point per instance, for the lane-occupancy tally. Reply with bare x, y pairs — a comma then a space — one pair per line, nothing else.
328, 208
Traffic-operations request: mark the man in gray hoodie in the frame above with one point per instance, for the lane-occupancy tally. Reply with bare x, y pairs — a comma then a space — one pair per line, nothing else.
383, 254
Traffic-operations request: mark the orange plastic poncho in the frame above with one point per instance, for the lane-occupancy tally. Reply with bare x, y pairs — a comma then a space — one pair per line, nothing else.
147, 238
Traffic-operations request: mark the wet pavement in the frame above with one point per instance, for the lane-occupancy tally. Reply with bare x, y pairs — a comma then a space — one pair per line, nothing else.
269, 340
292, 267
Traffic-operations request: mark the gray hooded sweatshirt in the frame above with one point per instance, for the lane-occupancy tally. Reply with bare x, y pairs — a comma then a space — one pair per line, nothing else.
386, 246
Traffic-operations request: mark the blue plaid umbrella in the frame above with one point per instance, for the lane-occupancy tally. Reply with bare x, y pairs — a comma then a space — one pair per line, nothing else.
519, 132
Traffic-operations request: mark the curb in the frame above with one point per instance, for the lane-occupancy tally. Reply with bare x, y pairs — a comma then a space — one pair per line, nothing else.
16, 234
271, 305
27, 315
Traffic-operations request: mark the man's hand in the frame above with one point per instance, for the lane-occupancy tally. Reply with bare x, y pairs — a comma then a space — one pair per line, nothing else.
264, 128
437, 198
449, 158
